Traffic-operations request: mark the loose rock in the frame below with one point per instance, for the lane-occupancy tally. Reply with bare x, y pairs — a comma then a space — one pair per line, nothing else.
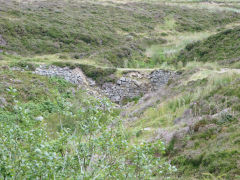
3, 102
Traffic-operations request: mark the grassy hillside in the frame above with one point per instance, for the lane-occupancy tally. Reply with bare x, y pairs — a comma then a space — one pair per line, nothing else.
213, 147
109, 32
206, 103
223, 46
52, 129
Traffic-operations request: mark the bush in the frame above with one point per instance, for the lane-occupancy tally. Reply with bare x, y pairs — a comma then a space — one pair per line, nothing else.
62, 137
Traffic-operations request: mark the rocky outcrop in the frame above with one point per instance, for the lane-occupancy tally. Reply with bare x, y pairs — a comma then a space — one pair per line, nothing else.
74, 76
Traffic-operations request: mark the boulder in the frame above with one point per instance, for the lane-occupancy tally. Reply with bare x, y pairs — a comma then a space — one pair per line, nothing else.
39, 118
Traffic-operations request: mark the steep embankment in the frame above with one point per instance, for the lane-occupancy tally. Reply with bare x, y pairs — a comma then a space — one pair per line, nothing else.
222, 47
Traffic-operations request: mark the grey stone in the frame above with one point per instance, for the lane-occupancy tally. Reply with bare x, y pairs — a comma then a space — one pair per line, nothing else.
3, 102
116, 98
68, 74
39, 118
119, 82
2, 41
129, 38
137, 83
123, 79
160, 78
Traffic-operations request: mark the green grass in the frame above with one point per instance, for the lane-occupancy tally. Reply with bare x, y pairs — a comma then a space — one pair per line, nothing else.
52, 123
107, 33
166, 53
204, 82
223, 46
47, 97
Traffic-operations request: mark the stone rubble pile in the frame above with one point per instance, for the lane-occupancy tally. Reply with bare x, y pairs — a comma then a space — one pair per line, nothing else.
160, 78
135, 84
74, 76
125, 88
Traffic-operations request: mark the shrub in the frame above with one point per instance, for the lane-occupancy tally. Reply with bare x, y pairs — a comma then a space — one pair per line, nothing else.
59, 136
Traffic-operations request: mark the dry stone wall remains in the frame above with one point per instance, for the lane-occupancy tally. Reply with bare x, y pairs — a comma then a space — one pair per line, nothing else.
74, 76
131, 85
135, 84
